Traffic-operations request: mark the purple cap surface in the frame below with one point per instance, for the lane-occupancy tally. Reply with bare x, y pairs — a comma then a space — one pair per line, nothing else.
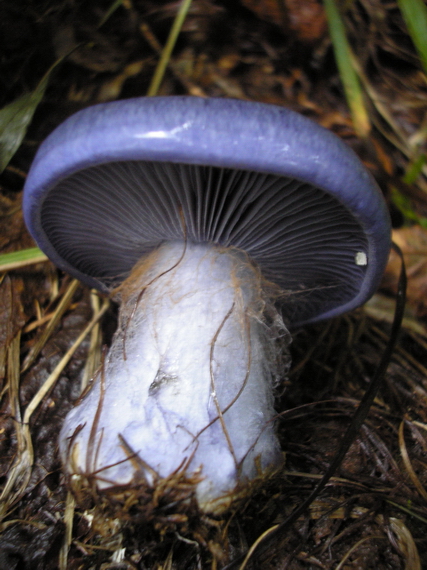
116, 180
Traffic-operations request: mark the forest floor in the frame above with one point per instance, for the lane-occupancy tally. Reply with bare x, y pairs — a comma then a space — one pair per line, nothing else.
373, 512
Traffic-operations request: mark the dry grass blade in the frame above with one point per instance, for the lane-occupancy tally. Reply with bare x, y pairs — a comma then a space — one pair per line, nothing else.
380, 308
355, 547
258, 541
397, 137
56, 317
68, 535
408, 464
169, 561
50, 382
94, 354
420, 425
20, 471
406, 544
396, 530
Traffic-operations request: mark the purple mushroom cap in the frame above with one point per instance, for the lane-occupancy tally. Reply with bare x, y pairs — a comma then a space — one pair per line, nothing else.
116, 180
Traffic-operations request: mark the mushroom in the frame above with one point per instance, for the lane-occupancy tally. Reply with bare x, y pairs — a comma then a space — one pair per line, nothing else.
219, 224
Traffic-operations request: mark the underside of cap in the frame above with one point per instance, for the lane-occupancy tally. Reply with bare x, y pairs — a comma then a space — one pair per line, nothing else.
117, 180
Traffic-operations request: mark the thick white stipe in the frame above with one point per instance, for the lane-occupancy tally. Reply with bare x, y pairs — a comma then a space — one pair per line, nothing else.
188, 379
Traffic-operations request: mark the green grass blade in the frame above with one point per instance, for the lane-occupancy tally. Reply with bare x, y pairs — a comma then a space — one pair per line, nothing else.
167, 50
114, 6
414, 13
22, 258
415, 168
349, 78
405, 206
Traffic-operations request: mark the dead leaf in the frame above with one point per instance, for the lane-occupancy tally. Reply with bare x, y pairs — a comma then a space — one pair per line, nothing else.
413, 243
305, 18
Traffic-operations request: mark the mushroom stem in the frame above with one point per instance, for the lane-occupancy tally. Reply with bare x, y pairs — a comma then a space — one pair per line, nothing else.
187, 383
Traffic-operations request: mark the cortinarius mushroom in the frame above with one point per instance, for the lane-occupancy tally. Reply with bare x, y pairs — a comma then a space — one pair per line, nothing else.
196, 207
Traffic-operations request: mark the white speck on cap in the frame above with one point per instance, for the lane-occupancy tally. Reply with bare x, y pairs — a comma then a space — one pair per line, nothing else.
361, 258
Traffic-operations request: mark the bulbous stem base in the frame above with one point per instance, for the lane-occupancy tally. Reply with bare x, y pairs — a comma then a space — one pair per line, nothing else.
187, 383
